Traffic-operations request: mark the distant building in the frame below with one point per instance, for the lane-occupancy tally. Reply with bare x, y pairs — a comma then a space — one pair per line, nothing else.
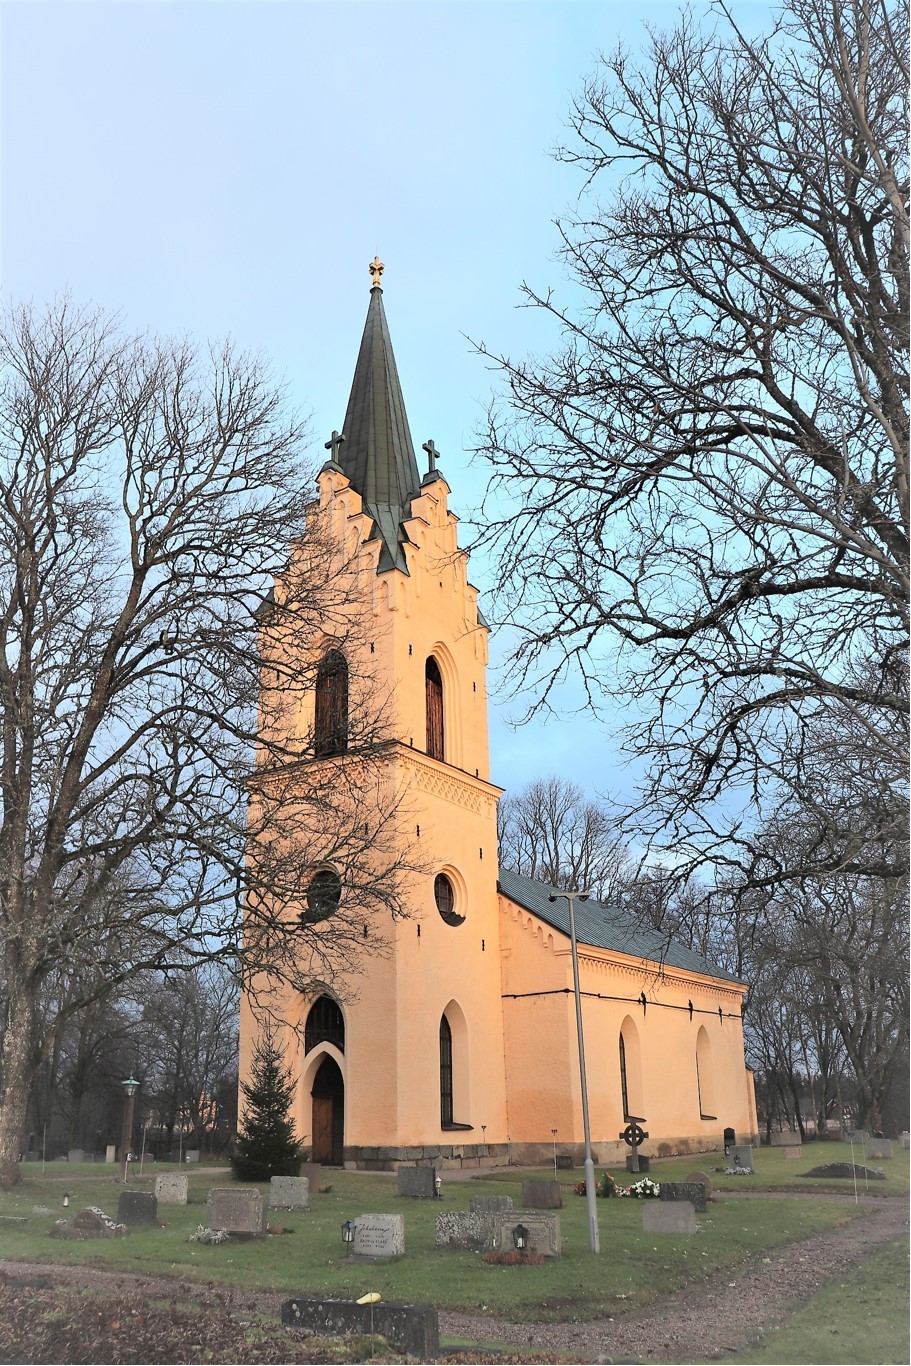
460, 1045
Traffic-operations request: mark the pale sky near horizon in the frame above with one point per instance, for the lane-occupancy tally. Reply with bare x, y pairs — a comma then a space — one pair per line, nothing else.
231, 168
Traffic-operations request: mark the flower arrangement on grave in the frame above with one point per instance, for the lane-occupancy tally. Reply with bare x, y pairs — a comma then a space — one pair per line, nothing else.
738, 1171
645, 1189
609, 1188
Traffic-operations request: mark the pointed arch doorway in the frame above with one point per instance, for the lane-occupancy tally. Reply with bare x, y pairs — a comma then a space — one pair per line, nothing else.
328, 1128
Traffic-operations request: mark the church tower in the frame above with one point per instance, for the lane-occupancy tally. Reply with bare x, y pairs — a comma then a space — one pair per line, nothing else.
404, 1058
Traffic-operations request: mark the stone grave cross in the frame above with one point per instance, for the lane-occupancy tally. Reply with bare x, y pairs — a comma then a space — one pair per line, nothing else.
633, 1136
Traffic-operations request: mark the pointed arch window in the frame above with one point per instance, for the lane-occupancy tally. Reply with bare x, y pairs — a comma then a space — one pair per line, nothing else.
330, 731
325, 1024
705, 1076
433, 684
445, 1072
624, 1089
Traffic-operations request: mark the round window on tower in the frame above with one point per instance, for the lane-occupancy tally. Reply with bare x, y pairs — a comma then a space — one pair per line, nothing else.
323, 895
444, 894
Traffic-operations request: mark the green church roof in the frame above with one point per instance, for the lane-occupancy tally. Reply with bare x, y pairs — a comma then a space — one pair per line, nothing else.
378, 453
605, 927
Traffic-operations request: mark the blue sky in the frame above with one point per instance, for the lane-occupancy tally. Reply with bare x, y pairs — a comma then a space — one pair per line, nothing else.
231, 168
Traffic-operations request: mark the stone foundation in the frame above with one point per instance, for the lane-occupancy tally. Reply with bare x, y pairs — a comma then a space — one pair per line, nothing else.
445, 1156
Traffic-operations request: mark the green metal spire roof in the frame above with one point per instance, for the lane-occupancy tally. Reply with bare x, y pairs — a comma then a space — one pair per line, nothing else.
378, 454
605, 927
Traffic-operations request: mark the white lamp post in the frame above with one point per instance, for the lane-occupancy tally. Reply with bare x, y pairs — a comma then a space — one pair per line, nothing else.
594, 1240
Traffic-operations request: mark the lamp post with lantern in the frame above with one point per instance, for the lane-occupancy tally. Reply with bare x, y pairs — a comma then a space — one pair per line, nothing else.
130, 1087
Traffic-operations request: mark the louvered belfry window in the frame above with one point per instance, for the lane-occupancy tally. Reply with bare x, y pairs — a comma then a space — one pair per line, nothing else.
330, 732
434, 686
445, 1071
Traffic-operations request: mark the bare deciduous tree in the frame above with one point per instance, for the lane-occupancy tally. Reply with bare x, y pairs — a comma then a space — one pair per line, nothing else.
550, 831
707, 485
148, 498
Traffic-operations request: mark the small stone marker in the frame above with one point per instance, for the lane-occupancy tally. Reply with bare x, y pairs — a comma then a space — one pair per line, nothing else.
541, 1195
565, 1162
465, 1232
110, 1153
75, 1155
311, 1171
236, 1209
137, 1209
88, 1223
877, 1147
419, 1183
379, 1236
413, 1330
491, 1204
693, 1191
791, 1150
171, 1188
742, 1157
191, 1155
668, 1216
905, 1140
289, 1192
543, 1233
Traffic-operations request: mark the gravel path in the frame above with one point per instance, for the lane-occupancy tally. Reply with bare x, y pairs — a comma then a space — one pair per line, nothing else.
721, 1314
710, 1318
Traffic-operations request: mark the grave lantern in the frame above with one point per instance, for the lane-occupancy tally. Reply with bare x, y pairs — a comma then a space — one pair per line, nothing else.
520, 1237
348, 1228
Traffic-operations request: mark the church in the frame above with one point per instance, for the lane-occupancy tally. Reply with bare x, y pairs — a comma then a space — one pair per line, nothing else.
458, 1045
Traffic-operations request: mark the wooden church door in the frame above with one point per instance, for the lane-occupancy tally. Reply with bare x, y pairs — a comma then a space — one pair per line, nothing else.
328, 1114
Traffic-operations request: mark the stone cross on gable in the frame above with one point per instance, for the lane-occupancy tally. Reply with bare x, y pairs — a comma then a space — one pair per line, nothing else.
432, 454
334, 444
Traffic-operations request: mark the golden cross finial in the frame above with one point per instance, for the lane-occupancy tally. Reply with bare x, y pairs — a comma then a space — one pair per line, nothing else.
376, 269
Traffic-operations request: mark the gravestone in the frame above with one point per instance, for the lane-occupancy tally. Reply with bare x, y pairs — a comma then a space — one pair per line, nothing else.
413, 1330
791, 1150
191, 1155
419, 1183
877, 1147
236, 1209
289, 1192
565, 1162
668, 1216
75, 1155
311, 1171
854, 1135
491, 1204
904, 1139
543, 1233
465, 1232
637, 1162
693, 1191
379, 1236
110, 1153
88, 1223
703, 1179
541, 1195
171, 1188
137, 1209
742, 1157
785, 1139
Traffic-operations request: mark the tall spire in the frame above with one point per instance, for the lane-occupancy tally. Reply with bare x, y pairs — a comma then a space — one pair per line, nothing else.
378, 454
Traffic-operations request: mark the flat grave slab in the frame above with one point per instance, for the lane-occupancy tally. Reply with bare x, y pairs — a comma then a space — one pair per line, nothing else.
137, 1209
418, 1183
379, 1236
289, 1192
541, 1195
236, 1209
668, 1216
411, 1329
171, 1188
543, 1233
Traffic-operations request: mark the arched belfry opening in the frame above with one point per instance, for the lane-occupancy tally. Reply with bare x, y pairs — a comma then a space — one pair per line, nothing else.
433, 683
328, 1126
330, 727
325, 1024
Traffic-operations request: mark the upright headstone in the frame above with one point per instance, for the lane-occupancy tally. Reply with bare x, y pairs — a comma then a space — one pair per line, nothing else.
491, 1204
191, 1155
236, 1209
379, 1236
791, 1150
289, 1192
110, 1153
417, 1182
638, 1162
542, 1232
904, 1139
311, 1171
137, 1209
413, 1330
742, 1156
877, 1148
75, 1155
171, 1188
668, 1216
464, 1232
541, 1195
693, 1191
785, 1138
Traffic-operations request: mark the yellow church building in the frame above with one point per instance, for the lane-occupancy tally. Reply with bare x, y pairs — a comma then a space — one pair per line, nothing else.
458, 1045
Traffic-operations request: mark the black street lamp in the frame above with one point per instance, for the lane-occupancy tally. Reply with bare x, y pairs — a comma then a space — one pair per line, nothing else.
130, 1087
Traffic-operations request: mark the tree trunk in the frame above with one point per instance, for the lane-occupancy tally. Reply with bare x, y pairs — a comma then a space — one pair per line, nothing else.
17, 1068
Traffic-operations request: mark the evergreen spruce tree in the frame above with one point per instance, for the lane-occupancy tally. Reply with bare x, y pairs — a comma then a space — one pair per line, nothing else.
266, 1145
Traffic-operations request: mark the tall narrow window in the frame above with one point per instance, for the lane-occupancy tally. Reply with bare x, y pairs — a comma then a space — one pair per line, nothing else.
330, 731
446, 1111
624, 1091
434, 690
705, 1076
324, 1024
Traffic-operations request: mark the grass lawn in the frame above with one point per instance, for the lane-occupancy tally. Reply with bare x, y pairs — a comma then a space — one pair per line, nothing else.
860, 1320
632, 1271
